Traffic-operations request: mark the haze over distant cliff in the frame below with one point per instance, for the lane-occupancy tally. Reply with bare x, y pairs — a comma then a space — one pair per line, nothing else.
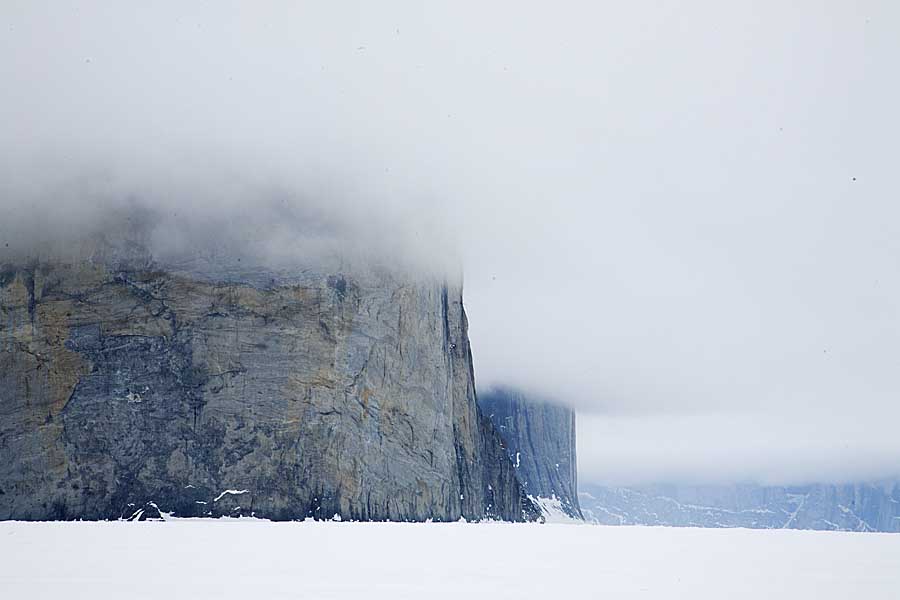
835, 507
540, 440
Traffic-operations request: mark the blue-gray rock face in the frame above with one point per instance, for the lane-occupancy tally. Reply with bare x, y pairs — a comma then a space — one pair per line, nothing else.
199, 390
849, 507
540, 440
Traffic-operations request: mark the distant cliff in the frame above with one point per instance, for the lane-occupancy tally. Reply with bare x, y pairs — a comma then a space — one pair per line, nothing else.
209, 389
849, 507
540, 440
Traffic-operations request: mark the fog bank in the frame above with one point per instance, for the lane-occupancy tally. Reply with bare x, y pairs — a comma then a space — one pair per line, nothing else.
680, 219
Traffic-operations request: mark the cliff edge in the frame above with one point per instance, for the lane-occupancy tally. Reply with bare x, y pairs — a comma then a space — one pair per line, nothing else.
128, 386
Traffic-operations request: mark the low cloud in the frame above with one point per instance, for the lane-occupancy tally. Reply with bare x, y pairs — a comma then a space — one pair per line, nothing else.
788, 448
680, 220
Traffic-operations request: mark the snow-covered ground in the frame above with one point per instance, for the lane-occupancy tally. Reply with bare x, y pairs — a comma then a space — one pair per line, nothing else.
257, 559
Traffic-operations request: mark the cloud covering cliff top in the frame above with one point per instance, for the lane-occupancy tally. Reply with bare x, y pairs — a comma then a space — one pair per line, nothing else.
681, 219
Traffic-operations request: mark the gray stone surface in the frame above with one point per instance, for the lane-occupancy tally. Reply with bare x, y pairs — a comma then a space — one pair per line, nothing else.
845, 507
540, 440
209, 388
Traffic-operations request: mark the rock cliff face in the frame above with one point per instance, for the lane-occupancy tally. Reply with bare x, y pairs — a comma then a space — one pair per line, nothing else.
843, 507
540, 440
127, 386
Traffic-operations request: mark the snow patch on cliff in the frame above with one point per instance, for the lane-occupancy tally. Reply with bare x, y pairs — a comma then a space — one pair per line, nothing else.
553, 510
229, 492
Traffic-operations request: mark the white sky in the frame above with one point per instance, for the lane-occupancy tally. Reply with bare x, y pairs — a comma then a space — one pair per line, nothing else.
681, 218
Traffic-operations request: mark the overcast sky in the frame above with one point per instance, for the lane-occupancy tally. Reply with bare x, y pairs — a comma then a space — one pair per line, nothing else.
680, 218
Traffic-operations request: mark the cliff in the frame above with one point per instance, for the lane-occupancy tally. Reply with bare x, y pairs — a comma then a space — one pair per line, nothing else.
540, 440
840, 507
208, 389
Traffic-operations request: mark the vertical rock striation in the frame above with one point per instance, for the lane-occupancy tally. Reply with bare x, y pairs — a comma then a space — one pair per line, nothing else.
205, 388
540, 440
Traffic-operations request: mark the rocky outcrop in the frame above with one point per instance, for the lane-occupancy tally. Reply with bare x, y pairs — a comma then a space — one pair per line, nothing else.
842, 507
206, 388
540, 440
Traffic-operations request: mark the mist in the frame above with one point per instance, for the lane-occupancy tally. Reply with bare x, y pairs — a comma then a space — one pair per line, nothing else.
681, 220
